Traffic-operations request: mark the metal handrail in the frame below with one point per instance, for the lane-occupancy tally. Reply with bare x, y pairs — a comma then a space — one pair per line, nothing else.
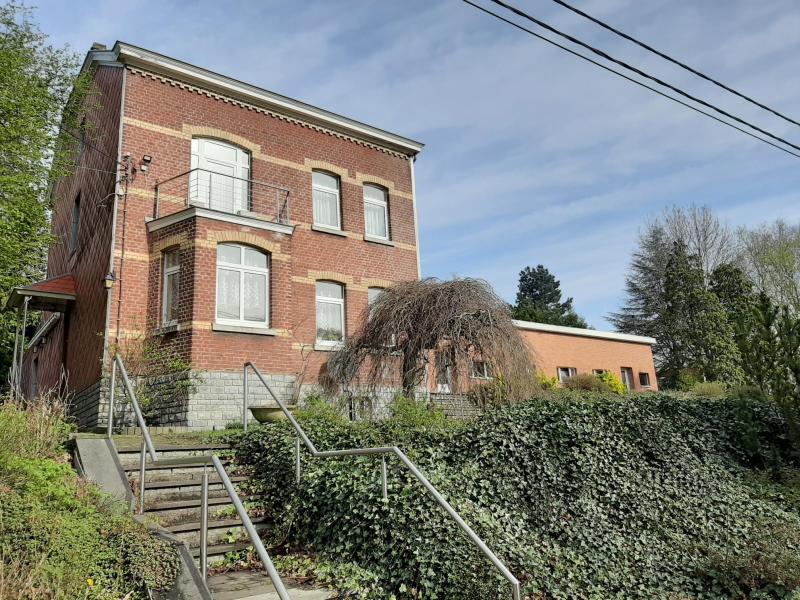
148, 447
382, 452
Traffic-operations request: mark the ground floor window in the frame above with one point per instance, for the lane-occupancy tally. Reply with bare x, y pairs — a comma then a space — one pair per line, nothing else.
330, 312
627, 377
242, 285
481, 370
565, 373
644, 380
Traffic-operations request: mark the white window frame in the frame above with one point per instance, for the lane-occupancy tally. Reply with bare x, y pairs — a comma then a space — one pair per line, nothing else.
567, 372
242, 269
166, 272
328, 190
626, 374
483, 372
336, 302
384, 204
645, 385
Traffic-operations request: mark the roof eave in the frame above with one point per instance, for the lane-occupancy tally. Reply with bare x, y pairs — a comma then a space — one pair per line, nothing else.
124, 53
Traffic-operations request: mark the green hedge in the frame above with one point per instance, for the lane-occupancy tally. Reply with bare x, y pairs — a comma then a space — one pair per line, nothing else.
639, 497
60, 538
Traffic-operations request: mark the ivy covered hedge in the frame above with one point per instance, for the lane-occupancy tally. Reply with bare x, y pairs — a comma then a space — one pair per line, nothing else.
584, 497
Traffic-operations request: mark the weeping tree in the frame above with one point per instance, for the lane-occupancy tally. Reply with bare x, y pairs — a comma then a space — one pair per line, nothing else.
409, 323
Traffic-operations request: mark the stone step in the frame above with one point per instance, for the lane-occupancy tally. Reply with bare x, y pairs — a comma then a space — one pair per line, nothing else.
218, 551
256, 585
172, 512
180, 488
129, 455
219, 530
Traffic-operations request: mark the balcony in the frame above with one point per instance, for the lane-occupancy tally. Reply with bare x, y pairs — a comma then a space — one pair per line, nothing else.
225, 194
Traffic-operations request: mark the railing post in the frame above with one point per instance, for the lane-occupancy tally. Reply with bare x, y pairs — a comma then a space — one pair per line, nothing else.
384, 478
142, 472
204, 524
244, 404
297, 459
111, 397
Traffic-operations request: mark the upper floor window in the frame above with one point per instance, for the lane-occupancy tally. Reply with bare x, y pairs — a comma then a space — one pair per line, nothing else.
75, 226
327, 204
220, 177
330, 312
242, 285
376, 212
170, 287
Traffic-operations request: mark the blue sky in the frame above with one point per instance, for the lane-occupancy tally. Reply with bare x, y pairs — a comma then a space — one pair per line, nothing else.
532, 156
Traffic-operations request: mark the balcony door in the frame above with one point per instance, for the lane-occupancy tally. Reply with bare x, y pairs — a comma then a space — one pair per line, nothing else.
220, 177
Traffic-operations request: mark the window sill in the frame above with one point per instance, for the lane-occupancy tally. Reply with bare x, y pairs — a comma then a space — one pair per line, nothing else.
374, 240
166, 329
328, 347
331, 230
227, 328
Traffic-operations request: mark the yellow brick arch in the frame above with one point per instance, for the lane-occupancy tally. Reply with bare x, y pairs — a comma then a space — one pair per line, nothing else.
248, 239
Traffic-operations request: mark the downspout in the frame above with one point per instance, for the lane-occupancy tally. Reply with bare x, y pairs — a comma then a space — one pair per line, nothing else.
117, 192
411, 160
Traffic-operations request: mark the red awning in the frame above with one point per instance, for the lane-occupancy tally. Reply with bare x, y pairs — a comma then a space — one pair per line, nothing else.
51, 294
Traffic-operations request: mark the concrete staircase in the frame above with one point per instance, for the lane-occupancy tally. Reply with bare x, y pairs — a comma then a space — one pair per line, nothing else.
172, 498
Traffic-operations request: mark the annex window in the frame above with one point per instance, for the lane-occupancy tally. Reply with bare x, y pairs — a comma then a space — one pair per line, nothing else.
242, 285
376, 212
327, 203
566, 372
170, 287
644, 380
598, 372
330, 313
220, 176
481, 370
627, 377
75, 225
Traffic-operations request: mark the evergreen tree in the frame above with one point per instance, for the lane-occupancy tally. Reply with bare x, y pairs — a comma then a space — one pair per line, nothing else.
697, 334
539, 299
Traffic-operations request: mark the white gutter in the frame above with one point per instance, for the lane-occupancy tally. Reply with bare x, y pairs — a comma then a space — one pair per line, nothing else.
589, 333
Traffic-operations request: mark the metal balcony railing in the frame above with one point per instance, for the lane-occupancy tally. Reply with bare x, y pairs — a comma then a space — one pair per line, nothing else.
224, 193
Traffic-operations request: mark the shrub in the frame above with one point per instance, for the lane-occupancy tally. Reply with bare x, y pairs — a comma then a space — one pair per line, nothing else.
586, 382
624, 498
612, 382
60, 538
709, 389
547, 383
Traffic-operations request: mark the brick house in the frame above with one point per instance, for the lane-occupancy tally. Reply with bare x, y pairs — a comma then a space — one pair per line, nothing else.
219, 223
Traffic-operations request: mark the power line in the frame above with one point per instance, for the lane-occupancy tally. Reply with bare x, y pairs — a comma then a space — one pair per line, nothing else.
675, 61
626, 77
631, 68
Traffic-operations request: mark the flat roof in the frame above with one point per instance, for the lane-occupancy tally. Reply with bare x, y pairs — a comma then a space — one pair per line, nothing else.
124, 53
590, 333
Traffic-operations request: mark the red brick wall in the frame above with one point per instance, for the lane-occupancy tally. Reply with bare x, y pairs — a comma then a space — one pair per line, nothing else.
77, 340
160, 120
553, 350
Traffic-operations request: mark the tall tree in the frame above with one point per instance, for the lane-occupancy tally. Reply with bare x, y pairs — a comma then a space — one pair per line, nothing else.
36, 80
735, 291
697, 334
771, 256
539, 299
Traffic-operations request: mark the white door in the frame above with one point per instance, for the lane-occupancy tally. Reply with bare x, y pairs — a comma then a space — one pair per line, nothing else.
220, 176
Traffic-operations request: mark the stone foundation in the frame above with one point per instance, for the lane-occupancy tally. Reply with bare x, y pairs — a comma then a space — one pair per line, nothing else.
205, 400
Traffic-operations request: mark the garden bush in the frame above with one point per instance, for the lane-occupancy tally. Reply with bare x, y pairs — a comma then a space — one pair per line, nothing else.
60, 537
612, 497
